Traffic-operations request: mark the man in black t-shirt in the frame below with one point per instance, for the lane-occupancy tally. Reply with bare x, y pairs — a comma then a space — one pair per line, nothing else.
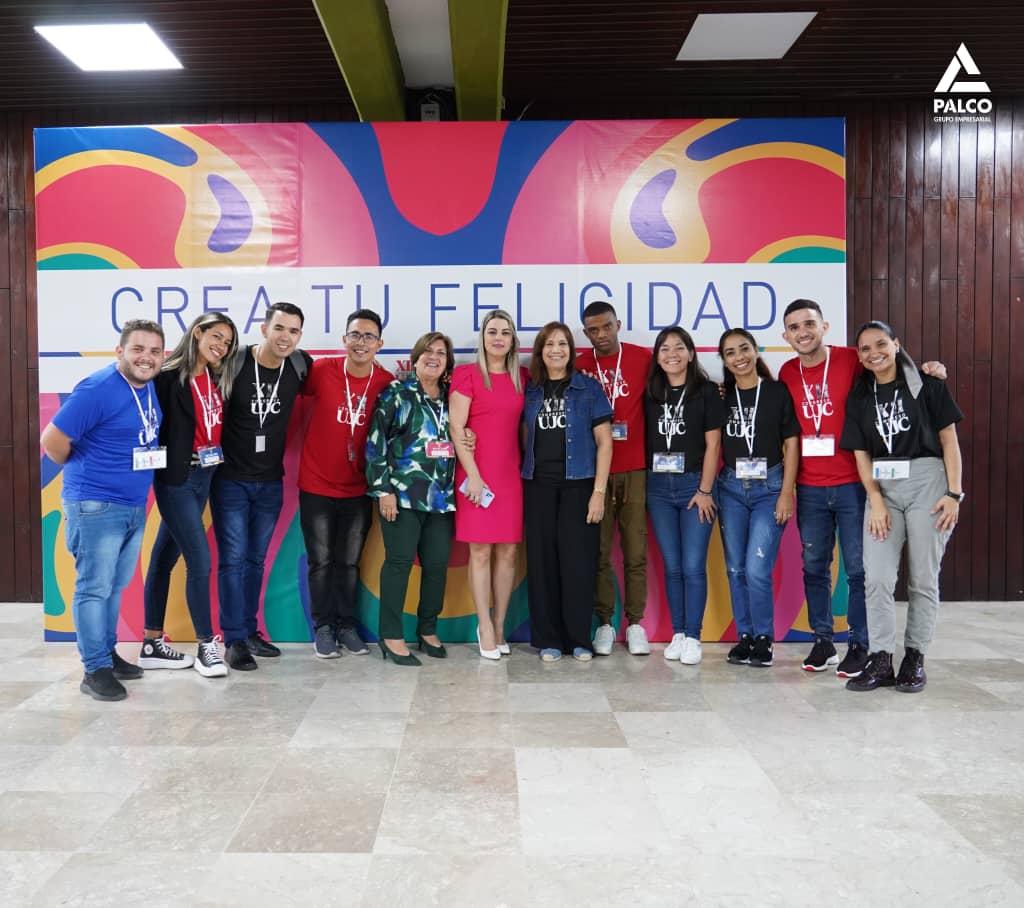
247, 492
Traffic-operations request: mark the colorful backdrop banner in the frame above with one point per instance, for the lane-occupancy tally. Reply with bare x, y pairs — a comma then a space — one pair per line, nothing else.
708, 224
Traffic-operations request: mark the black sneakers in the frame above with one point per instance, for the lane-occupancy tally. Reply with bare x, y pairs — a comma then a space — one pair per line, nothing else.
853, 662
911, 677
740, 653
102, 685
237, 655
821, 656
124, 670
157, 653
349, 638
877, 673
208, 662
260, 647
762, 653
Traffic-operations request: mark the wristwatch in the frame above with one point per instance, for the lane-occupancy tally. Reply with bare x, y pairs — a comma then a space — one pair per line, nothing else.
956, 496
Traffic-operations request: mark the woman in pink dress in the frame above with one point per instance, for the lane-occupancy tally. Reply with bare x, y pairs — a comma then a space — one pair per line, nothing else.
487, 397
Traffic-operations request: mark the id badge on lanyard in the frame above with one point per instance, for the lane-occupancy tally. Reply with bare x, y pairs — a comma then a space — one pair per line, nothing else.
147, 456
818, 446
669, 463
620, 431
750, 467
890, 468
210, 455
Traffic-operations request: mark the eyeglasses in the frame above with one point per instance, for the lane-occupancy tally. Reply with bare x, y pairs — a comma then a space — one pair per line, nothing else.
355, 337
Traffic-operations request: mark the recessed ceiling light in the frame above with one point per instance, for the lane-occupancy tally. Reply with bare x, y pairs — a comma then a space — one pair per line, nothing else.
743, 36
110, 47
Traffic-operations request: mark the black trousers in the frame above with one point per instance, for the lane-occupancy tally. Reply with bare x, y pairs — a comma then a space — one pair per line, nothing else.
561, 562
334, 530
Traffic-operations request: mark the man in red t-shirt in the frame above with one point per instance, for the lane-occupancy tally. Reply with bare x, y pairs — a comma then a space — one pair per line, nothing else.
622, 371
830, 495
334, 509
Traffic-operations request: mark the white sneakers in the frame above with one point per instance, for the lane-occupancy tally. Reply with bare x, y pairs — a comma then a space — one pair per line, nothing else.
604, 639
684, 649
675, 649
636, 641
691, 654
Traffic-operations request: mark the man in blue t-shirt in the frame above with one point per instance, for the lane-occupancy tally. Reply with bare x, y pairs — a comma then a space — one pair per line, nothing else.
105, 434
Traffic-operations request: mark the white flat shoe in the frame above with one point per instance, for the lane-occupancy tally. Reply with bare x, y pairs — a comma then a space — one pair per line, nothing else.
486, 653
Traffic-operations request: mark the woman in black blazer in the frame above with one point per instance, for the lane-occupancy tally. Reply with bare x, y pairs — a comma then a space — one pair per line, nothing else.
192, 387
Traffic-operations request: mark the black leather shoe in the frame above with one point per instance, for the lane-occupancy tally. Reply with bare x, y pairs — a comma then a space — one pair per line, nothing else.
239, 658
911, 677
260, 647
124, 670
877, 673
102, 685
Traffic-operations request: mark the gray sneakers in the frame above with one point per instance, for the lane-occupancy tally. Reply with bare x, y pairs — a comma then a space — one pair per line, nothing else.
324, 644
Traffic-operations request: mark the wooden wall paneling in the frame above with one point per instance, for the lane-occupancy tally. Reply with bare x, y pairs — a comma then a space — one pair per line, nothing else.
5, 161
1017, 193
931, 254
880, 204
7, 578
950, 195
860, 260
932, 159
914, 246
999, 388
897, 218
852, 169
967, 154
20, 406
964, 387
1015, 435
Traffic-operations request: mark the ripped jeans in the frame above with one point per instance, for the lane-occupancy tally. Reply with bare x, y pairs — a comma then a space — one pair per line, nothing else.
751, 539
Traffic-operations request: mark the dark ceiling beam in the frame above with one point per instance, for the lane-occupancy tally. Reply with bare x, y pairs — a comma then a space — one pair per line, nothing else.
359, 32
478, 56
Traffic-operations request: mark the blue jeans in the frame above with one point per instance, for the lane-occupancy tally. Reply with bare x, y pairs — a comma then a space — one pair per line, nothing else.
751, 539
820, 511
181, 533
104, 539
244, 517
683, 540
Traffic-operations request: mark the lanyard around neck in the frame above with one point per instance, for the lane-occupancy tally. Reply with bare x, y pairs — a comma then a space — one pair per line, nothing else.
353, 415
615, 378
816, 412
673, 416
259, 390
148, 424
753, 417
207, 404
440, 420
887, 439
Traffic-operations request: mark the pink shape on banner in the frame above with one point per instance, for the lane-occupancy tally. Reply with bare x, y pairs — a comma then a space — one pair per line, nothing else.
440, 174
611, 157
790, 198
267, 156
132, 211
336, 225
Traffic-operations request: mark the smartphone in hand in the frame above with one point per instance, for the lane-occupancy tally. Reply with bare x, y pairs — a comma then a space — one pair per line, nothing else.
486, 497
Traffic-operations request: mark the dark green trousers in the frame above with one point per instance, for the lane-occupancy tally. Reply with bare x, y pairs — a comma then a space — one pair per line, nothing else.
412, 533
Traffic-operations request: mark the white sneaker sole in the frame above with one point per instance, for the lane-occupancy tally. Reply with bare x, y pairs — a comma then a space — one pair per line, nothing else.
832, 660
211, 671
150, 664
319, 655
691, 660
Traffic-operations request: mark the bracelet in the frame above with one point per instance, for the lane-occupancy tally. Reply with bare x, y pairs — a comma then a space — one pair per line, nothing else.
599, 491
700, 491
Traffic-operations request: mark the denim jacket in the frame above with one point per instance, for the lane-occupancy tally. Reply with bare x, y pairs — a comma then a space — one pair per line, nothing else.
585, 401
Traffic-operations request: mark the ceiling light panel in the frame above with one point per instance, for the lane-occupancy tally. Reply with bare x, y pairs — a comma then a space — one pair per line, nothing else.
743, 36
110, 47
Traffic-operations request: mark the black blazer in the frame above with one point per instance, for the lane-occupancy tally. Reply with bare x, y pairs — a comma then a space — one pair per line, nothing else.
177, 427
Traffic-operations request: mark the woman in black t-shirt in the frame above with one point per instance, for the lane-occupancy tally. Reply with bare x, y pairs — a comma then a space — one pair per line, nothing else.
760, 448
901, 426
684, 418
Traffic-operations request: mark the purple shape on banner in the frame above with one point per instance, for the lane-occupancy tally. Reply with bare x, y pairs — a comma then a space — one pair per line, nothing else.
235, 223
646, 216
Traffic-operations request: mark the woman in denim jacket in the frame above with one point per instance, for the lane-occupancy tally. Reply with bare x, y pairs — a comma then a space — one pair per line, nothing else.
568, 452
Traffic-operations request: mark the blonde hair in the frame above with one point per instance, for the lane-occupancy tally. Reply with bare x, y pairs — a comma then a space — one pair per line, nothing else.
511, 357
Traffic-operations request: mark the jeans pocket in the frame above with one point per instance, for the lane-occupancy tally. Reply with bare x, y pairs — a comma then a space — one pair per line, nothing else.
92, 508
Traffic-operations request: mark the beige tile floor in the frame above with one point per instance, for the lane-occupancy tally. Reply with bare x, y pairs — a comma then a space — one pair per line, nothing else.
626, 781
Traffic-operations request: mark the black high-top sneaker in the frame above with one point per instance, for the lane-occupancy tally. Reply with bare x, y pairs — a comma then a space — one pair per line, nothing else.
877, 673
911, 677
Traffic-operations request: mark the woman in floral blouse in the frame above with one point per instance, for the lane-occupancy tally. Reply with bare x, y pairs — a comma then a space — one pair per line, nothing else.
410, 468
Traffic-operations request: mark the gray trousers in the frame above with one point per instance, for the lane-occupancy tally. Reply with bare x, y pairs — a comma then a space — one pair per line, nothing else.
909, 502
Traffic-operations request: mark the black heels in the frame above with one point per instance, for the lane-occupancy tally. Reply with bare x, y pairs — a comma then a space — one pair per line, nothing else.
437, 652
409, 659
